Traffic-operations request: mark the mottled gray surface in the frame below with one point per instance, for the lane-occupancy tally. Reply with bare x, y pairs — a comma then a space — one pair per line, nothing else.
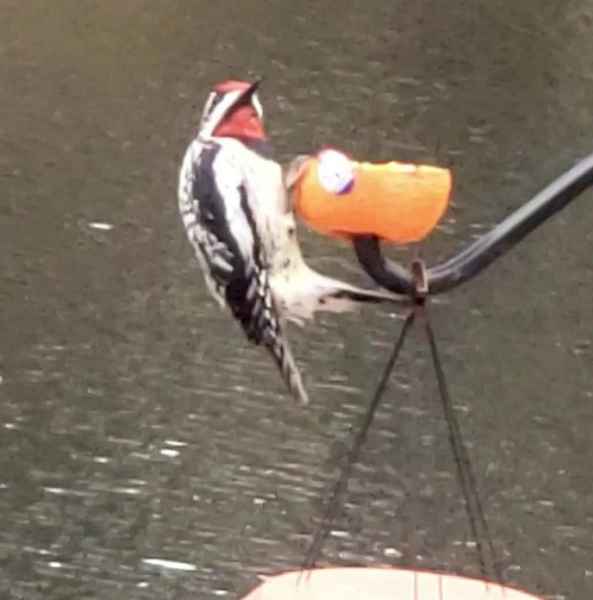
135, 424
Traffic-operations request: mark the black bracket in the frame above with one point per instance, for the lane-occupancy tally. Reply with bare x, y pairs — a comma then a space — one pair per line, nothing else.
420, 277
477, 256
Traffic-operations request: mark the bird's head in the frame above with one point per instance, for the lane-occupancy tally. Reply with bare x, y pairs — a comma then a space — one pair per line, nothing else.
233, 110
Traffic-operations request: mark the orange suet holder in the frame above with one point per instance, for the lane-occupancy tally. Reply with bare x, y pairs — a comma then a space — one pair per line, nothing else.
398, 202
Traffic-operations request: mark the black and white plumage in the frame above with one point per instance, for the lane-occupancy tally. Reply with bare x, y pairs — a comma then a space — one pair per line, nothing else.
235, 210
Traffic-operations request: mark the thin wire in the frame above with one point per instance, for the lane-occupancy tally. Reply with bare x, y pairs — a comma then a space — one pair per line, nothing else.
332, 506
490, 568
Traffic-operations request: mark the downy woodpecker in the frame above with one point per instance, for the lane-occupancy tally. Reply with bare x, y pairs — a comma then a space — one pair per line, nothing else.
235, 209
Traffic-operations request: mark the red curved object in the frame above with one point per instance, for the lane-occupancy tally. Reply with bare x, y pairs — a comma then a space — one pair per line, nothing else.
380, 584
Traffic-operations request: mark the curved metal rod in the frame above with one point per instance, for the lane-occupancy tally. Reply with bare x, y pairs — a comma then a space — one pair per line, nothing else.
385, 272
477, 256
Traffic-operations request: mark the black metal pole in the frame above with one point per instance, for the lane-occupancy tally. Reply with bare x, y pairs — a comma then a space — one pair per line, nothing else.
486, 249
385, 272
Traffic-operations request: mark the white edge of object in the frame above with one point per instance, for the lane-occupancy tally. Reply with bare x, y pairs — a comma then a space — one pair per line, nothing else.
359, 583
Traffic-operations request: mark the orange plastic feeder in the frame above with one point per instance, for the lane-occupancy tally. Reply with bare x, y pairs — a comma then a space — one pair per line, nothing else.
400, 203
380, 584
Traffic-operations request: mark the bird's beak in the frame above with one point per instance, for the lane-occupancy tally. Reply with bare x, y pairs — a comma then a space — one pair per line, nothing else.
249, 91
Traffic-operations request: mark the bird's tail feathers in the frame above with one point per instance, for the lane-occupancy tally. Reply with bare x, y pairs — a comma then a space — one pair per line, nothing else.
280, 351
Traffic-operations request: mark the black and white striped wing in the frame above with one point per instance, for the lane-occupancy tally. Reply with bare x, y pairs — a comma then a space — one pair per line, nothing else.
220, 225
216, 216
210, 252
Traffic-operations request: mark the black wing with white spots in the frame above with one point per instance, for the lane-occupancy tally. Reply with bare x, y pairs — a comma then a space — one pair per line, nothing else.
220, 224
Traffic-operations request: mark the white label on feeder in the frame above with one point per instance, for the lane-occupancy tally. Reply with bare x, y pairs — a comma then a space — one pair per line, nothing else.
335, 172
